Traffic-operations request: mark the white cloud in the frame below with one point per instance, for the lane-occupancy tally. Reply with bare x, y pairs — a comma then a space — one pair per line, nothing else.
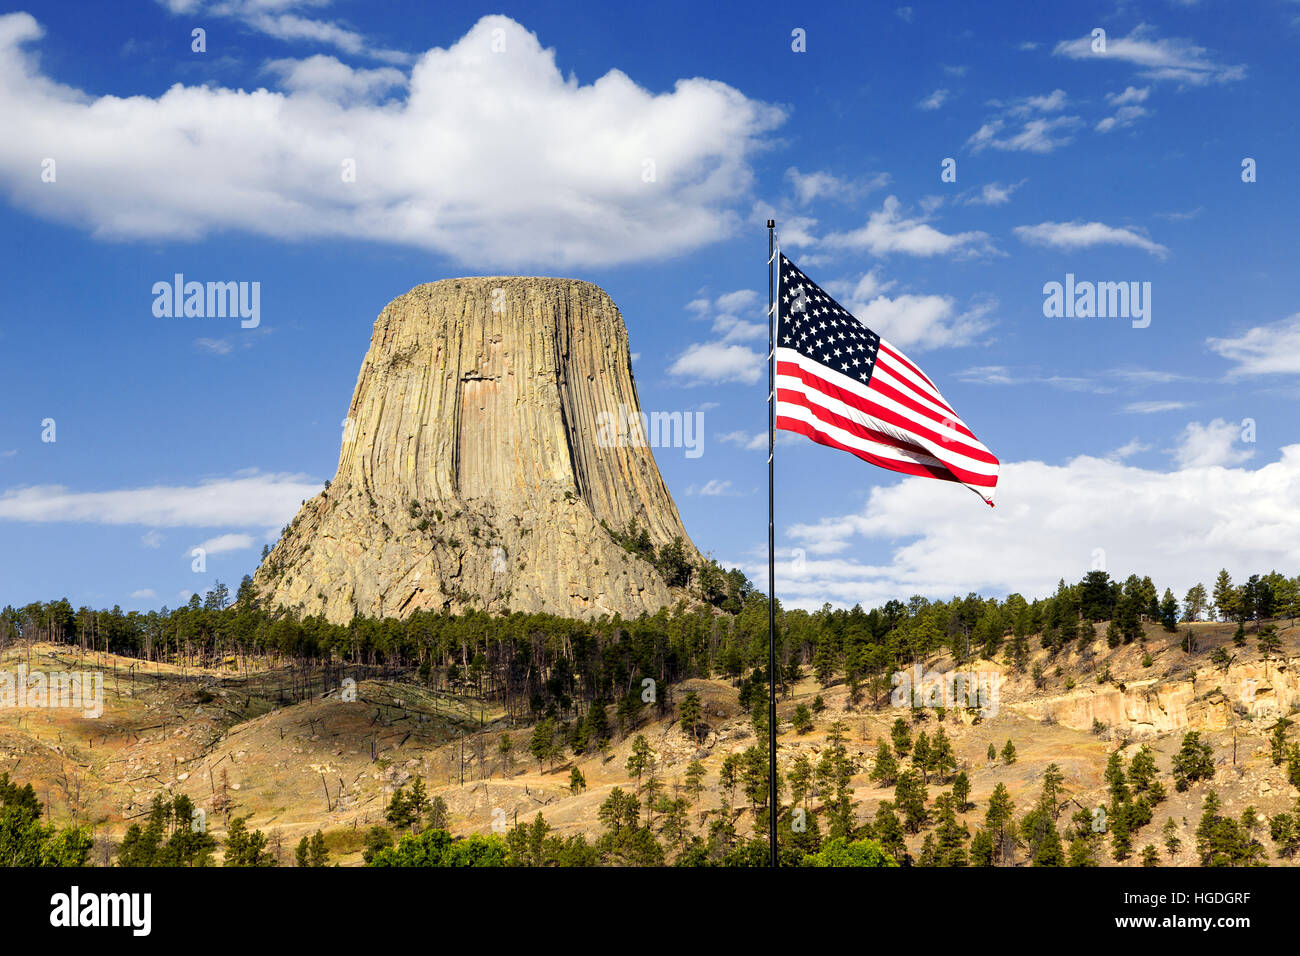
1264, 350
904, 14
717, 362
495, 159
937, 540
215, 346
758, 440
821, 184
1180, 216
226, 542
325, 76
1128, 450
241, 501
1174, 59
888, 230
1081, 235
1132, 95
1151, 408
1051, 103
143, 594
1217, 444
1039, 135
723, 360
994, 194
933, 101
1124, 116
152, 539
1018, 127
917, 322
712, 488
278, 19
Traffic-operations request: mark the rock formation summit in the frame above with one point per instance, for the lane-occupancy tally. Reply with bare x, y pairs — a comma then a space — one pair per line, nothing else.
474, 471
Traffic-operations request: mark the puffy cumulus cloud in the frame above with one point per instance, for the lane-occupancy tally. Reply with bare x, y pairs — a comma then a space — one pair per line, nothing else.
1081, 235
243, 500
1218, 443
937, 540
724, 360
713, 363
913, 322
1174, 59
888, 230
1263, 350
493, 158
327, 77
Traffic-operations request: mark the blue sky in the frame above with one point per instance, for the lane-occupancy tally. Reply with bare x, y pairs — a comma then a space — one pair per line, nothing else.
518, 140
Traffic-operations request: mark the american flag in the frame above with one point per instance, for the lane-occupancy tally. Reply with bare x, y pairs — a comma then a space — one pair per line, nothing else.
844, 386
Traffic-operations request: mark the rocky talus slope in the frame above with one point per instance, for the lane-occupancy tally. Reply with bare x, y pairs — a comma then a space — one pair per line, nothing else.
484, 464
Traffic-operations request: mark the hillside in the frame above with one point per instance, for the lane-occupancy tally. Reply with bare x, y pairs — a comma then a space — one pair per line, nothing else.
295, 758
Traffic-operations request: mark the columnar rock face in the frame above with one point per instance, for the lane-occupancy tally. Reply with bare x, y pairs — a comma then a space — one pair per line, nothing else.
477, 469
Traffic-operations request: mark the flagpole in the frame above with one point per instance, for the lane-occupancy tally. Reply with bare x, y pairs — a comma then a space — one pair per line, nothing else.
771, 550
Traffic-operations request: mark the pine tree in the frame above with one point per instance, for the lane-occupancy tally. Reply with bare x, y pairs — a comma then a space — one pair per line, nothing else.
1050, 852
1009, 753
1170, 832
902, 737
961, 791
695, 779
910, 798
885, 771
318, 855
942, 757
802, 720
399, 811
1224, 596
691, 715
921, 755
577, 782
1194, 761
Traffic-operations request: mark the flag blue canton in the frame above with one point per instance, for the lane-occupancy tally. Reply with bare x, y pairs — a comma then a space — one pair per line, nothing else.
816, 326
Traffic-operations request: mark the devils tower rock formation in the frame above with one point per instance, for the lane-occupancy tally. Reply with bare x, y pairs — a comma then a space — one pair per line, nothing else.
473, 472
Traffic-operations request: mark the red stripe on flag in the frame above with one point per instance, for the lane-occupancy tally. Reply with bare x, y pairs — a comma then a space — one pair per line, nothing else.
864, 404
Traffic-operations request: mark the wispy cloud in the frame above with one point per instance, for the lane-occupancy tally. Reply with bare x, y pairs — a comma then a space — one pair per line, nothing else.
1263, 350
993, 194
1169, 59
284, 20
933, 101
1023, 126
1151, 408
270, 499
1082, 235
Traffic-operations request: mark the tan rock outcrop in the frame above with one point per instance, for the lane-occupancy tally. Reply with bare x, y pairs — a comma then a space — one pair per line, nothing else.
482, 465
1211, 699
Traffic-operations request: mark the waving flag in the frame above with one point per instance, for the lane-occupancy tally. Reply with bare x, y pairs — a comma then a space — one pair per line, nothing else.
844, 386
